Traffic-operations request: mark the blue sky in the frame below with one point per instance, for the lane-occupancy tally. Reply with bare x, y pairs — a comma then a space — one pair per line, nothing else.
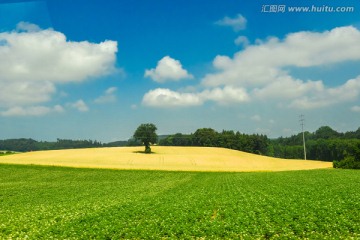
95, 69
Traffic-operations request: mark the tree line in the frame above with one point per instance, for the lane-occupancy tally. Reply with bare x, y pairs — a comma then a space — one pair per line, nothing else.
324, 144
208, 137
28, 144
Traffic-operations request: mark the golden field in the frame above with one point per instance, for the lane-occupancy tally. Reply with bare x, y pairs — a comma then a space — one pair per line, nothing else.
163, 158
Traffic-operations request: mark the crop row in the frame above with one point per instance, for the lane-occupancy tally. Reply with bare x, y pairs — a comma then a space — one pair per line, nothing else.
65, 203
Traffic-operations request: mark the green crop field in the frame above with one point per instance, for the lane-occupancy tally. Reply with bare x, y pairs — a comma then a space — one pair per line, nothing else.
68, 203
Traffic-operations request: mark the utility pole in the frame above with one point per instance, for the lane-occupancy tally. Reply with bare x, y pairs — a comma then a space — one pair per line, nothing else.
302, 123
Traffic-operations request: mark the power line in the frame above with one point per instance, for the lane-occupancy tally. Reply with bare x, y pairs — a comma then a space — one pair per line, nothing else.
302, 124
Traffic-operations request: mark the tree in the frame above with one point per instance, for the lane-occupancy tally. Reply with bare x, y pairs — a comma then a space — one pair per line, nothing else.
146, 133
326, 132
205, 137
352, 156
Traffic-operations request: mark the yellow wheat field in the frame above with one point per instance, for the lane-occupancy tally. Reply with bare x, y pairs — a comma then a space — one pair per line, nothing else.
163, 158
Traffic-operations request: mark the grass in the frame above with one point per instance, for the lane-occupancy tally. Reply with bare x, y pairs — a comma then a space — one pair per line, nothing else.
163, 158
68, 203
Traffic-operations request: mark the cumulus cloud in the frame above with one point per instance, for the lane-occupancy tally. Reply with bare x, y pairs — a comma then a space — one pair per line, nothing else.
242, 41
225, 95
24, 93
108, 97
325, 97
161, 97
27, 27
34, 61
80, 105
237, 23
288, 88
167, 69
31, 111
261, 68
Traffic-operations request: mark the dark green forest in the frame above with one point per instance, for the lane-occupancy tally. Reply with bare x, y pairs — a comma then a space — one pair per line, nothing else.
28, 144
324, 144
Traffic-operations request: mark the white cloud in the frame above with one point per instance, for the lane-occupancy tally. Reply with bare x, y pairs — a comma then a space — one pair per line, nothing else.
355, 108
324, 97
259, 64
226, 95
261, 68
80, 105
242, 40
31, 111
287, 88
34, 61
24, 93
108, 97
168, 69
27, 27
238, 23
161, 97
47, 55
111, 90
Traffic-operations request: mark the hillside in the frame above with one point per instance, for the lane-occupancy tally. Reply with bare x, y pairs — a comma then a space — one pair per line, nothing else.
163, 158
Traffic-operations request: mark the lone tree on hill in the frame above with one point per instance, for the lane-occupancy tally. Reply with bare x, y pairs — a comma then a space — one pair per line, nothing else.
146, 133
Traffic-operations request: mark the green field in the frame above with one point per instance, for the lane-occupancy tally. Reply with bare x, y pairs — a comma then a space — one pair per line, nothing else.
68, 203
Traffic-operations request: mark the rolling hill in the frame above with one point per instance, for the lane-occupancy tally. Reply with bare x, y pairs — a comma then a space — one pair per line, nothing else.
163, 158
